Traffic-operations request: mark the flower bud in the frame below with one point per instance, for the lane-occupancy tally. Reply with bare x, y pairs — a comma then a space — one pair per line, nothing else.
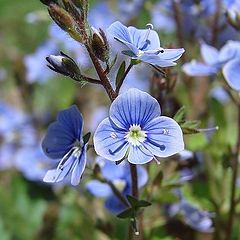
65, 21
63, 64
233, 17
100, 45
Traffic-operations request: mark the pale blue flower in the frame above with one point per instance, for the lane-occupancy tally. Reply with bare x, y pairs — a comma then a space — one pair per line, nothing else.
120, 177
64, 141
136, 131
144, 45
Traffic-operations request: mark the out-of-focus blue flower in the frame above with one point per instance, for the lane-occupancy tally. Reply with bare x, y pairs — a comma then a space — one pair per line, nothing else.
120, 177
32, 163
7, 153
136, 130
35, 63
64, 141
144, 45
129, 9
214, 60
219, 94
192, 216
231, 72
211, 65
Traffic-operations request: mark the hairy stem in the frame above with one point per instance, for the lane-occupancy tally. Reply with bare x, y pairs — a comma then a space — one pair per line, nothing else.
235, 166
102, 76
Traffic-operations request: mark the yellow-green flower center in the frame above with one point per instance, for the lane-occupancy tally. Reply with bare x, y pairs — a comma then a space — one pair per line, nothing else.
136, 136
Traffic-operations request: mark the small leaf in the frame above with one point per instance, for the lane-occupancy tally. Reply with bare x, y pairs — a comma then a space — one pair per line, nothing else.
191, 124
132, 200
143, 203
86, 137
180, 115
135, 203
128, 213
120, 73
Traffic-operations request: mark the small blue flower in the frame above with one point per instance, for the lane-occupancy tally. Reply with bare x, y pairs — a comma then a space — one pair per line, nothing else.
136, 130
120, 177
231, 72
64, 141
197, 219
144, 45
210, 66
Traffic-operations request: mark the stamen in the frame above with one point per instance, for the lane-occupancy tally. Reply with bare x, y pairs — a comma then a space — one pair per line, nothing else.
209, 129
147, 41
66, 156
113, 135
149, 26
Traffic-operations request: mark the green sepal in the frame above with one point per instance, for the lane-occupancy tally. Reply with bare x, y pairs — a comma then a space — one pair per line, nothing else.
128, 213
120, 73
135, 203
86, 137
180, 115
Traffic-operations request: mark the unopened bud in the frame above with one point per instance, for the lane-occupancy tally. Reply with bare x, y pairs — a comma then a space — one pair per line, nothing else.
100, 45
63, 64
233, 17
65, 21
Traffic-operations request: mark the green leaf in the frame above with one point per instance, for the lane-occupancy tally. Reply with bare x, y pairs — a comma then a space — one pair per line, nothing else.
128, 213
113, 62
128, 53
86, 137
180, 115
120, 73
132, 200
135, 203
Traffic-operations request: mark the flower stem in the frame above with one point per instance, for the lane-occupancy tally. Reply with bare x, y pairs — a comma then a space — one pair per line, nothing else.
102, 76
118, 194
134, 178
234, 183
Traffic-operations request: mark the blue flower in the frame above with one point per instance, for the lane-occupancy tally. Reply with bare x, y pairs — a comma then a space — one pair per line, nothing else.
197, 219
210, 66
64, 141
136, 130
120, 177
144, 45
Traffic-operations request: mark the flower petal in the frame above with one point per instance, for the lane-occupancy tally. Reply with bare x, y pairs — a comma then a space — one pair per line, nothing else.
58, 141
155, 59
139, 155
133, 107
111, 171
78, 167
164, 137
114, 205
194, 68
139, 37
121, 33
231, 72
171, 54
109, 143
72, 120
98, 188
62, 134
52, 176
209, 54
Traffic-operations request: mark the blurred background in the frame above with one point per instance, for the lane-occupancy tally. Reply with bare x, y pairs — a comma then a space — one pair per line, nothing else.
31, 95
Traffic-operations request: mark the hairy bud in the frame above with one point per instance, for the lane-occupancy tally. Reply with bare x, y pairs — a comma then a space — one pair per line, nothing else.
65, 21
63, 64
100, 45
233, 17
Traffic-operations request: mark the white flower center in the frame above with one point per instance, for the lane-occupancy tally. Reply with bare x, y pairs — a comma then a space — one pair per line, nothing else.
119, 184
136, 136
